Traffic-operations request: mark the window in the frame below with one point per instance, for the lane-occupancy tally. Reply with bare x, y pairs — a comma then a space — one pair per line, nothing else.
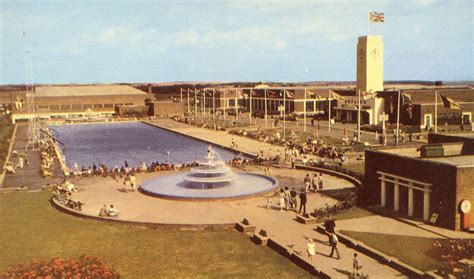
43, 107
129, 104
466, 118
86, 106
76, 106
65, 106
119, 104
54, 107
108, 105
97, 105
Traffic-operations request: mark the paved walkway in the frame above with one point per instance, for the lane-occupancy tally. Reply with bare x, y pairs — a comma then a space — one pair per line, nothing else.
96, 191
282, 226
29, 176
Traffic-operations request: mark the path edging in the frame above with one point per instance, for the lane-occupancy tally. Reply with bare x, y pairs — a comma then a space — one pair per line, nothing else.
379, 256
110, 220
10, 148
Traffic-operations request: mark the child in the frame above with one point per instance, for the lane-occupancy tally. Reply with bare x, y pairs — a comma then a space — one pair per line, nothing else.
311, 248
356, 266
269, 202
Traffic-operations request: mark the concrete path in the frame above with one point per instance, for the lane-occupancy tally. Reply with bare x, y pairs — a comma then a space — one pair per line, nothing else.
96, 191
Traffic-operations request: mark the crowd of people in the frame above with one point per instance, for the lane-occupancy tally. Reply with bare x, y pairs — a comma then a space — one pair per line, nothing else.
63, 192
47, 156
103, 170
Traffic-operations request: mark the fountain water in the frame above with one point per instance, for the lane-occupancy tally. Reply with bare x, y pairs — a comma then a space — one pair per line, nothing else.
211, 173
212, 179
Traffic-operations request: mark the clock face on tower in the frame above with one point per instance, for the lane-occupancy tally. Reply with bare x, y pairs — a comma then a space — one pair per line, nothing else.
374, 53
361, 53
465, 206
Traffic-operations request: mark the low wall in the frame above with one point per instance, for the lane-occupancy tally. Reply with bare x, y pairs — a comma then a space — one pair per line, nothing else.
200, 139
331, 172
393, 262
58, 206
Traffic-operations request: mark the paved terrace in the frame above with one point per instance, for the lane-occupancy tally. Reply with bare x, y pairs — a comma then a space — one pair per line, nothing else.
282, 226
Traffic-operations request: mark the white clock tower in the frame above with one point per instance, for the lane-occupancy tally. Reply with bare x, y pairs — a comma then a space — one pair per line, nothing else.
370, 64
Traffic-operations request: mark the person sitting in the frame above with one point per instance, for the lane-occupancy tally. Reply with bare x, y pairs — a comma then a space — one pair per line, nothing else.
112, 212
103, 211
9, 168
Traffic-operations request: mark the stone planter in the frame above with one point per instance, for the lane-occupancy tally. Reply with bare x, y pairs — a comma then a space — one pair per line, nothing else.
241, 227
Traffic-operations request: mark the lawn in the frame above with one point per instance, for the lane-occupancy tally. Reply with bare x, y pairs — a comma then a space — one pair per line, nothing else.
352, 213
32, 229
409, 249
358, 167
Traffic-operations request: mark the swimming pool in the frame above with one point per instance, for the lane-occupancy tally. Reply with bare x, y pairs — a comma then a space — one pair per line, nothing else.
135, 142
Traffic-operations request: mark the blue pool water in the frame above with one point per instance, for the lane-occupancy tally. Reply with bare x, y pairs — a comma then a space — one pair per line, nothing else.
113, 143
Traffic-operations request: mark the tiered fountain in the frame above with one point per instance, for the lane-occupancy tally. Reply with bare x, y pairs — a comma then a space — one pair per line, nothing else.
211, 173
212, 179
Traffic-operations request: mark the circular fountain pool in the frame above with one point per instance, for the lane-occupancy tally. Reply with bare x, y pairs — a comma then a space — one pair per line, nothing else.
211, 180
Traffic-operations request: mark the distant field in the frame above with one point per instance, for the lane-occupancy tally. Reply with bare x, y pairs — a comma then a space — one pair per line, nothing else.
32, 229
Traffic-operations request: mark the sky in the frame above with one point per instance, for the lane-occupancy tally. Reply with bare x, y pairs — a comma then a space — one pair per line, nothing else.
267, 40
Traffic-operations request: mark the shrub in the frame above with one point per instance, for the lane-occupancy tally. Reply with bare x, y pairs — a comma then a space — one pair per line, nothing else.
84, 267
263, 233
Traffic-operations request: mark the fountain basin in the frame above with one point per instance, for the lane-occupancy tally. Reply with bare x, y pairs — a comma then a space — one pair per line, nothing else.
175, 186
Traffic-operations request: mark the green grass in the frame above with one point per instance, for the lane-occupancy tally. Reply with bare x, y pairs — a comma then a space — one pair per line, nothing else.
409, 249
352, 213
358, 167
31, 229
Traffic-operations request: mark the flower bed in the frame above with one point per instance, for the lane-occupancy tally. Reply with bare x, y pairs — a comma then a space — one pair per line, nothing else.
84, 267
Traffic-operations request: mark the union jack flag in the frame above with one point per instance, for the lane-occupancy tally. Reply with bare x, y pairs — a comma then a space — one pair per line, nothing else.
376, 17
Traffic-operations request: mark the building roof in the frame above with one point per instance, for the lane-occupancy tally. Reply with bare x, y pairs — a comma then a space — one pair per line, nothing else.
452, 156
86, 90
427, 96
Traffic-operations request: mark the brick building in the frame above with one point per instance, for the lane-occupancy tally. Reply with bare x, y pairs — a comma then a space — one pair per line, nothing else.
417, 107
78, 100
420, 185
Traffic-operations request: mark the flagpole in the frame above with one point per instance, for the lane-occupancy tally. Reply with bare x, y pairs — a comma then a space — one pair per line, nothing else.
284, 114
329, 116
235, 106
304, 121
265, 98
250, 107
358, 120
398, 119
189, 109
368, 24
181, 94
195, 102
436, 113
202, 104
213, 103
225, 105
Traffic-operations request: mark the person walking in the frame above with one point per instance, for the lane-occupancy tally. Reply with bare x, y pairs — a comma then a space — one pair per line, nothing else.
334, 241
330, 225
314, 182
311, 249
320, 181
282, 199
133, 181
126, 183
356, 266
294, 201
303, 200
287, 198
307, 182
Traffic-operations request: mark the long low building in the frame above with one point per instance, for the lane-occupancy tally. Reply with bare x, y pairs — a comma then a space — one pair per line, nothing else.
78, 101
